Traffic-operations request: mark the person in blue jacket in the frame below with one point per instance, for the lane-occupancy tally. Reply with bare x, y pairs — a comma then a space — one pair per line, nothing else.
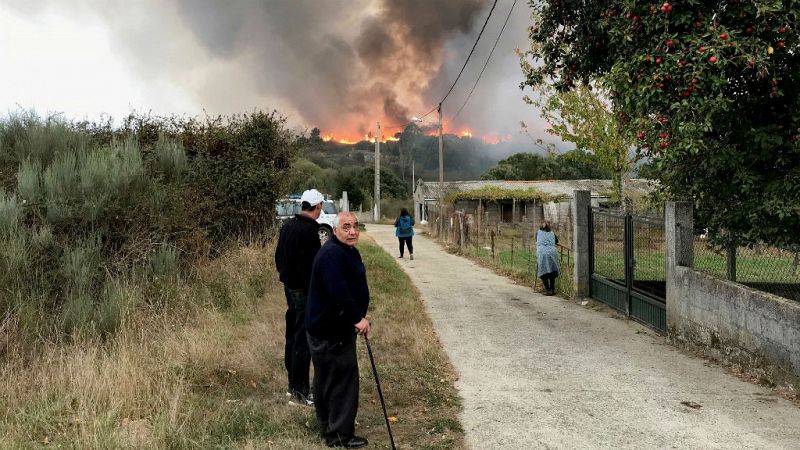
404, 230
547, 258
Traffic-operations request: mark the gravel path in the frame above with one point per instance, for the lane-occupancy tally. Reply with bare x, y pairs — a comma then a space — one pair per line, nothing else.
542, 372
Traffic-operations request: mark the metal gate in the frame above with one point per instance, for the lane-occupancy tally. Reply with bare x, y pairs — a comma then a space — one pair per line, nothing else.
628, 265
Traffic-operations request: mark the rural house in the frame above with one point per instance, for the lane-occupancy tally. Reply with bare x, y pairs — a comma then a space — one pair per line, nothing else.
497, 201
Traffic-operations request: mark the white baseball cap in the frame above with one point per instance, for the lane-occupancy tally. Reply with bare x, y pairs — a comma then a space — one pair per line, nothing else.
312, 196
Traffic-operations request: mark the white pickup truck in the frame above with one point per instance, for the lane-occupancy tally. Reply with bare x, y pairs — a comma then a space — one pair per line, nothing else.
287, 207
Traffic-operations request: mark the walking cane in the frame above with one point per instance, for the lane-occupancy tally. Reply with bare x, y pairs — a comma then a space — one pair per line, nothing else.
380, 392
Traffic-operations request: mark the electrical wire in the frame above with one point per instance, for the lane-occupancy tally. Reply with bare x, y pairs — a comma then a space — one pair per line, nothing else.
470, 54
483, 28
487, 61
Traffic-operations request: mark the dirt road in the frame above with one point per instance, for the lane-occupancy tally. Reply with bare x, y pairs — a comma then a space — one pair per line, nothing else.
542, 372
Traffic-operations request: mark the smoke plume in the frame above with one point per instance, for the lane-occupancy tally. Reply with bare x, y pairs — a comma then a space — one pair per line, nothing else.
340, 65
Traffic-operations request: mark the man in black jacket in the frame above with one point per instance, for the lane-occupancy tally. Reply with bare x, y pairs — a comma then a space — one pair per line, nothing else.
298, 244
337, 305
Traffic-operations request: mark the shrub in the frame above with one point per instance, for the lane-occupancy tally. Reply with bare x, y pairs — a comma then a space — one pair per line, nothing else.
86, 208
170, 157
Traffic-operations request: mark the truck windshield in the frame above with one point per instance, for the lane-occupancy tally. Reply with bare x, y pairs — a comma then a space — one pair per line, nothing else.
287, 208
329, 207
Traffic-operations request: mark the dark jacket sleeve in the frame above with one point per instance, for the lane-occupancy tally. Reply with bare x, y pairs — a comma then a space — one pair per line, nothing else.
335, 283
412, 220
279, 252
397, 222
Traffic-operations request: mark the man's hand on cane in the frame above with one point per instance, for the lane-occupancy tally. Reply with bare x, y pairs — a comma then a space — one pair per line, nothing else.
363, 328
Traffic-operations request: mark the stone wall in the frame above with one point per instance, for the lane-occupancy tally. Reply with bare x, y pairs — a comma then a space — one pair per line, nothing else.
753, 330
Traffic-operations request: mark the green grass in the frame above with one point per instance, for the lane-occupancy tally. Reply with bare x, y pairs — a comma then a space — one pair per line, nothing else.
208, 373
520, 263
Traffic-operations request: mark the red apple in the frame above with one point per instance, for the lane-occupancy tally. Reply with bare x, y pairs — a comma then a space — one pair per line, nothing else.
712, 60
723, 36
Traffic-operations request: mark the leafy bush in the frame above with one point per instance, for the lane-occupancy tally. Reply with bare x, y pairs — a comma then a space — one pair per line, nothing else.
87, 209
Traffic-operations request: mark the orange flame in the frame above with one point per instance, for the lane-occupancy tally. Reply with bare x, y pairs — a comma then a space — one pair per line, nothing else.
466, 133
494, 139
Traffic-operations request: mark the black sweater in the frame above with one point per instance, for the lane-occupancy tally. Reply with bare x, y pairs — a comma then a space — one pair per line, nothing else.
298, 244
339, 296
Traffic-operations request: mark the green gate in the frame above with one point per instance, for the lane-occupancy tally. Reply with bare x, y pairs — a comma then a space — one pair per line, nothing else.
627, 257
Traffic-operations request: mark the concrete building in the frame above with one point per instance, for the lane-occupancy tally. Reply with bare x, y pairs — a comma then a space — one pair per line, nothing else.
555, 208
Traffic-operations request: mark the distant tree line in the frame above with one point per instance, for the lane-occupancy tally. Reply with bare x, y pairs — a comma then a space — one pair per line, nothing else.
572, 165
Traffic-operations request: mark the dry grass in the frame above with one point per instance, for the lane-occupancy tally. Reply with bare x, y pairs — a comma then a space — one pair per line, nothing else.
208, 372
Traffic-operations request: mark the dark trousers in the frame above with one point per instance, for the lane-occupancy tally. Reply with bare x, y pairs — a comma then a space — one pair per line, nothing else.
407, 241
296, 356
549, 281
335, 386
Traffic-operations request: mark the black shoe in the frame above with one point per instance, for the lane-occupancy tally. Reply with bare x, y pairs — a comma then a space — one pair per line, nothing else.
299, 399
353, 442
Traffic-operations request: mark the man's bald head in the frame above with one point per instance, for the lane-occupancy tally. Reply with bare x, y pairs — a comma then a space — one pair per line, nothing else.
345, 228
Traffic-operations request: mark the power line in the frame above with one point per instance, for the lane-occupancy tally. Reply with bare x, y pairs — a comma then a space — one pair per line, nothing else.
487, 60
462, 67
403, 125
470, 53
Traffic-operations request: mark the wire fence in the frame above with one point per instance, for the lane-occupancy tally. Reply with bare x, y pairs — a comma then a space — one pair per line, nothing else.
761, 267
508, 248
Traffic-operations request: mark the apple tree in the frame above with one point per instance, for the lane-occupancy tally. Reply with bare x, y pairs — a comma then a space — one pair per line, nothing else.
709, 90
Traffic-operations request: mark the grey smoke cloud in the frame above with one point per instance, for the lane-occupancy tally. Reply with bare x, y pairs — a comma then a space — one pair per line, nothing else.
340, 65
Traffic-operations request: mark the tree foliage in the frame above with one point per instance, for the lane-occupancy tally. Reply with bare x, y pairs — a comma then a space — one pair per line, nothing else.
708, 89
572, 165
583, 117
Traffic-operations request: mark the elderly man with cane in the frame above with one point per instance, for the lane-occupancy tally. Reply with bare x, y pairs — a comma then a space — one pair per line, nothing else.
337, 305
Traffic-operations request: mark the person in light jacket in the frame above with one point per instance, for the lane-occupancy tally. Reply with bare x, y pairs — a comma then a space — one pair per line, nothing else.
547, 258
404, 230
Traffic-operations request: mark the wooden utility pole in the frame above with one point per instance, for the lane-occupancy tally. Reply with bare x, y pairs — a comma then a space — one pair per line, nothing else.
376, 210
441, 174
413, 185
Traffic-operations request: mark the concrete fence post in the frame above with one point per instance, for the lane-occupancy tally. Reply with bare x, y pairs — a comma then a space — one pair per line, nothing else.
581, 275
679, 241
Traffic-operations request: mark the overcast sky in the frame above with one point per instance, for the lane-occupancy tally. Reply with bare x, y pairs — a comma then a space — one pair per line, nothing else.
340, 65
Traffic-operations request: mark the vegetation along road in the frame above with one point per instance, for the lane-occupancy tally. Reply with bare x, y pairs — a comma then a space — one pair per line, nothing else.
543, 372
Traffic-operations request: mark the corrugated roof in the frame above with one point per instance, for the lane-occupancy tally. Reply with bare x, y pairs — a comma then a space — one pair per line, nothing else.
550, 187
